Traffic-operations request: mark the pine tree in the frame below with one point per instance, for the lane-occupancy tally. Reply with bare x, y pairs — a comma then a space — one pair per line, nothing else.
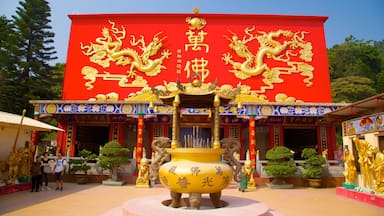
35, 51
8, 67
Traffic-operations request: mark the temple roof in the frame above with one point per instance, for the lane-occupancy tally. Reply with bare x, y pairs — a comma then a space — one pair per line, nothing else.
358, 109
13, 120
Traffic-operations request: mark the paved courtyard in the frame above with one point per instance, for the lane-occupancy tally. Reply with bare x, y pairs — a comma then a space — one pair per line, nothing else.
97, 199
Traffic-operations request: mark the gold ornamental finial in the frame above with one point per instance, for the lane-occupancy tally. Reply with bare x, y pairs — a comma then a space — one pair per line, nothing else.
196, 10
216, 101
176, 101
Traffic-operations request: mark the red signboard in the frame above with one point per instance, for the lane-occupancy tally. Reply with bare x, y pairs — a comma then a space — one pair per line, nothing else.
268, 55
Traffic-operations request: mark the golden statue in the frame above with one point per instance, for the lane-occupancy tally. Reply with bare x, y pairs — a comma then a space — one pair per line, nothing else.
24, 163
3, 169
371, 165
13, 163
364, 161
372, 150
350, 168
325, 154
247, 180
378, 172
143, 176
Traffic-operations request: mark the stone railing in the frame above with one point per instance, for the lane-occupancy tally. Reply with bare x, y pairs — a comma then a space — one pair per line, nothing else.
125, 169
333, 168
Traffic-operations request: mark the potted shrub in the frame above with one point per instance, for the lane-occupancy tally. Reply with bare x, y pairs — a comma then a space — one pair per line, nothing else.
112, 155
280, 165
313, 166
80, 167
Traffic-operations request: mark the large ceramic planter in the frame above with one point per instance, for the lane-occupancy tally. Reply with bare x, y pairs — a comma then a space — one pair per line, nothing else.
195, 170
315, 183
81, 178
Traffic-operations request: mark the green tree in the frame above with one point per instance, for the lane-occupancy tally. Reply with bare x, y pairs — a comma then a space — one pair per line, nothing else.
57, 78
313, 166
356, 62
354, 58
8, 66
352, 88
380, 81
280, 164
379, 45
112, 155
6, 31
32, 77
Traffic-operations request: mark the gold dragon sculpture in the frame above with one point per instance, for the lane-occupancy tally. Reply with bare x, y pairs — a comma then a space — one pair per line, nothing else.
270, 47
109, 48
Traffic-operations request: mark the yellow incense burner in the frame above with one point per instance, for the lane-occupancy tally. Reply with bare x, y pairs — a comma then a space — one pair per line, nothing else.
198, 166
195, 170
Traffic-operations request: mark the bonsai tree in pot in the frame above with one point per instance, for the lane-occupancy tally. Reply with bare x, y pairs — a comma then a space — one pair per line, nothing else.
313, 166
280, 165
80, 167
112, 156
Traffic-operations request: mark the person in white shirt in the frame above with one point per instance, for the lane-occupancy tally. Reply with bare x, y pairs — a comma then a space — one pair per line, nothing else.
59, 168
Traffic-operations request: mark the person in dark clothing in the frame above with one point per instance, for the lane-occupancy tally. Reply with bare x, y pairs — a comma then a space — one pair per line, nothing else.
45, 169
36, 174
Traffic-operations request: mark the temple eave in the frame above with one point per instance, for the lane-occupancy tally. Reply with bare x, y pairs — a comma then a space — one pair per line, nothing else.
146, 108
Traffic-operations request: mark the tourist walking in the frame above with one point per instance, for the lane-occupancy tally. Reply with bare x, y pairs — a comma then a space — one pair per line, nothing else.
36, 174
59, 169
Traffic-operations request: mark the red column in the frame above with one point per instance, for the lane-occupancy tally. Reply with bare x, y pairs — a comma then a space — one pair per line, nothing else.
331, 144
121, 134
72, 146
69, 141
61, 136
139, 143
252, 141
111, 131
35, 133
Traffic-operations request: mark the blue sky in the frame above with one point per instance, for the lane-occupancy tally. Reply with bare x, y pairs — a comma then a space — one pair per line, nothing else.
363, 19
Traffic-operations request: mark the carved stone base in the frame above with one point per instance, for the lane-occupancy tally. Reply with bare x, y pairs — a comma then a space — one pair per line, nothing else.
251, 185
113, 183
280, 186
142, 183
155, 205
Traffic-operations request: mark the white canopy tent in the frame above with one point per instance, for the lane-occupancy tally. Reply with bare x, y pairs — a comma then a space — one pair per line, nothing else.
13, 120
9, 130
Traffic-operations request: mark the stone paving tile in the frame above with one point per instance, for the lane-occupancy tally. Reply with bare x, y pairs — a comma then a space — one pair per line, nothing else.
97, 199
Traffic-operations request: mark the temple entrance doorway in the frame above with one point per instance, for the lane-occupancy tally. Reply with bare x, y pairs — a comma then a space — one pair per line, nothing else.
297, 139
91, 138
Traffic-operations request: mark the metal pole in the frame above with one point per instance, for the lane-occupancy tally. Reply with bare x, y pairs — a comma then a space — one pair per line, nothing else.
18, 129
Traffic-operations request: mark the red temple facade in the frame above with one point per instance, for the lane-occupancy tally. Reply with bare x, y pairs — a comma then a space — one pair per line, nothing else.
117, 64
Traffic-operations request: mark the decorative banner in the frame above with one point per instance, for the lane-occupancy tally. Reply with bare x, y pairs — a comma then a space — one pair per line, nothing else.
277, 58
139, 143
252, 141
368, 124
